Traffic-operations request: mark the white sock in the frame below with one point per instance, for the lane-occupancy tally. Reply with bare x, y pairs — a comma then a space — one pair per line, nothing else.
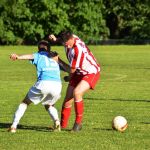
53, 113
18, 114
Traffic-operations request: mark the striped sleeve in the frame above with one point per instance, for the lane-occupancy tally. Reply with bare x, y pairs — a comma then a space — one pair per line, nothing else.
76, 57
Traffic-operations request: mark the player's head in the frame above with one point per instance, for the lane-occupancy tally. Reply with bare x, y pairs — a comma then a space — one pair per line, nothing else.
65, 35
67, 38
44, 45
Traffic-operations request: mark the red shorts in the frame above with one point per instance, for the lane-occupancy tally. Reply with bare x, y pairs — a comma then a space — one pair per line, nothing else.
90, 78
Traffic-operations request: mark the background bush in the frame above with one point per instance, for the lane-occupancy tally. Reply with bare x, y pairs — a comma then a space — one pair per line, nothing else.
26, 21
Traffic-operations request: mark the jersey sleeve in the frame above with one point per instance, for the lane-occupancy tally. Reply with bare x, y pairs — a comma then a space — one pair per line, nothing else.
35, 59
76, 58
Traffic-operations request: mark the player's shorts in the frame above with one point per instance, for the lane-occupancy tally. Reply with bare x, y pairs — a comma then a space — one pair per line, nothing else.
47, 92
90, 78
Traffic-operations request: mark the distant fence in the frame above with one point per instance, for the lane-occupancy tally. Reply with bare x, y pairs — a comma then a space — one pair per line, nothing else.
118, 42
101, 42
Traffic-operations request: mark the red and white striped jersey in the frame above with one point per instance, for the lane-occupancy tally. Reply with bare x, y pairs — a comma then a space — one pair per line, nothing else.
81, 58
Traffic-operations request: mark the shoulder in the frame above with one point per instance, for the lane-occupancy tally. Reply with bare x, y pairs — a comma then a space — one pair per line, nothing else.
35, 55
40, 55
79, 43
55, 58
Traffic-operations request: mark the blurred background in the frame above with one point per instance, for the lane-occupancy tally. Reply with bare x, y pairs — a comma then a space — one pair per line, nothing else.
94, 21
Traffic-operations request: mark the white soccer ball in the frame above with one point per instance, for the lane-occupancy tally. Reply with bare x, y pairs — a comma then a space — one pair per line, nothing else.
119, 123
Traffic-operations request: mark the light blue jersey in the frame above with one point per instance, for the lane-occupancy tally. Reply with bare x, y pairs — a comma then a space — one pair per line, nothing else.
47, 68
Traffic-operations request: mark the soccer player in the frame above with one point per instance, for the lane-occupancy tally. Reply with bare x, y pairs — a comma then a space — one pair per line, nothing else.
48, 87
84, 74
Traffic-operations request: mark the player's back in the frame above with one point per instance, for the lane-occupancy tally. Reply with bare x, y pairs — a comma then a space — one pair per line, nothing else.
47, 68
81, 58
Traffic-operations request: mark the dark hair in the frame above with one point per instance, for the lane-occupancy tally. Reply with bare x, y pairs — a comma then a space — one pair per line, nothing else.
45, 43
65, 35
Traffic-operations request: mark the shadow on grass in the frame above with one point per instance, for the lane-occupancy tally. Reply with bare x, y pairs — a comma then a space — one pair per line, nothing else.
28, 127
119, 99
102, 129
25, 127
145, 122
143, 68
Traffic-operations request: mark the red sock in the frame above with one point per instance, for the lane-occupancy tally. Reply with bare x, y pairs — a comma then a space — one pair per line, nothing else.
79, 111
65, 114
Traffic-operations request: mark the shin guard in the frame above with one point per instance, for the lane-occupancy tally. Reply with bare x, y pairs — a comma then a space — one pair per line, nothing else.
79, 111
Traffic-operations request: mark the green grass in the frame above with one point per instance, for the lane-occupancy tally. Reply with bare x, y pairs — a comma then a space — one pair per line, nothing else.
124, 89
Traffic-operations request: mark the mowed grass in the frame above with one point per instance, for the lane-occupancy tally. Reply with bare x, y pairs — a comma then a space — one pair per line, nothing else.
124, 89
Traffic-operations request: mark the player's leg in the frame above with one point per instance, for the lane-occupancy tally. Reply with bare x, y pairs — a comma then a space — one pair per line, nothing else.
34, 95
52, 90
54, 115
80, 89
19, 113
66, 107
87, 82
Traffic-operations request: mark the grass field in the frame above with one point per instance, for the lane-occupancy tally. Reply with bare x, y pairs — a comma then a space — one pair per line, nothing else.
124, 89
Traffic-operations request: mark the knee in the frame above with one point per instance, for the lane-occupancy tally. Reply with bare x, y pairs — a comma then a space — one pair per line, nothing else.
46, 107
26, 101
77, 93
68, 103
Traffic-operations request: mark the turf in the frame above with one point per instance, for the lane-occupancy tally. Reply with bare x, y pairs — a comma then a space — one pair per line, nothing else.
124, 89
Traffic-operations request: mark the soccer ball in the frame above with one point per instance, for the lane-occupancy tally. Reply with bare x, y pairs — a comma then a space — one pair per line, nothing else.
119, 123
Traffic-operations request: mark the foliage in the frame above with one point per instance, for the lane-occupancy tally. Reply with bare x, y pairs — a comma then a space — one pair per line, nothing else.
26, 21
128, 19
86, 19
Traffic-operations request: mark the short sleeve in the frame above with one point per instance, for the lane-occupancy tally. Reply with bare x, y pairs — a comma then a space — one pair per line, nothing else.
35, 59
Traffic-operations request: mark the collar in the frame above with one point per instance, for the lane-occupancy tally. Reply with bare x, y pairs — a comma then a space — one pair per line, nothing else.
43, 53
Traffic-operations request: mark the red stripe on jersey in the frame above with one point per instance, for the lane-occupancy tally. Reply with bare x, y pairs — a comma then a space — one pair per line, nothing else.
84, 71
92, 56
81, 60
89, 52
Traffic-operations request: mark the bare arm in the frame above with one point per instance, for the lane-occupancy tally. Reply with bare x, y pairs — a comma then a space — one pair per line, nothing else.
54, 40
21, 57
72, 70
64, 65
52, 37
67, 78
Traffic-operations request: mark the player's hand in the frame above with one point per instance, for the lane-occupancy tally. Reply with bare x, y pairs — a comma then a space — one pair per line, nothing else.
53, 54
67, 78
14, 56
52, 37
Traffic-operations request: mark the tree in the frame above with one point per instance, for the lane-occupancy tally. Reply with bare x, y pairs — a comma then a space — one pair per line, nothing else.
86, 19
27, 22
128, 19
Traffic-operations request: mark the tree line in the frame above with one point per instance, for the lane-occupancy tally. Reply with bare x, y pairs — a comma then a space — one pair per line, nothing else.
28, 21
